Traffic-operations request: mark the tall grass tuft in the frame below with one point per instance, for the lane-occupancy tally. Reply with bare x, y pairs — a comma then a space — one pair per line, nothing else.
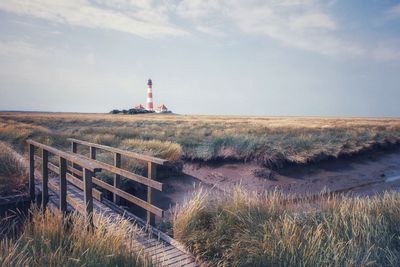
166, 150
13, 172
245, 229
46, 242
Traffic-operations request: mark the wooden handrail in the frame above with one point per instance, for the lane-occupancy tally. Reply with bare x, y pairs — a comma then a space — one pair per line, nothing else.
135, 200
127, 174
149, 181
89, 171
70, 178
121, 151
70, 157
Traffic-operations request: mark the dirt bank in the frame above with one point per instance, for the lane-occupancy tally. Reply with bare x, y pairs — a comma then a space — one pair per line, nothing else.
369, 173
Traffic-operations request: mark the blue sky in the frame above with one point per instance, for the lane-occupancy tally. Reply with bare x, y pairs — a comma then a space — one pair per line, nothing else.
235, 57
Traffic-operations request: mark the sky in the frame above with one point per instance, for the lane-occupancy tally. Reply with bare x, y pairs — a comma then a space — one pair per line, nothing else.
228, 57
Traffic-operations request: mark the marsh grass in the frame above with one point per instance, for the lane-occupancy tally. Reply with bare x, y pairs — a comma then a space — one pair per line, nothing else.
245, 229
271, 141
46, 242
13, 172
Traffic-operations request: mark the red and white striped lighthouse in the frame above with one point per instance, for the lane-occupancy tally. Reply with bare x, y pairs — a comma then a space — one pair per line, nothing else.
149, 102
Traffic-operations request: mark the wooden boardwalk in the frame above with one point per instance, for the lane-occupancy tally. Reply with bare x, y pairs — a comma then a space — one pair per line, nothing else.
147, 240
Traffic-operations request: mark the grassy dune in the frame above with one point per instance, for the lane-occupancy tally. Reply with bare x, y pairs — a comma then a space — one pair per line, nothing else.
244, 229
45, 242
272, 141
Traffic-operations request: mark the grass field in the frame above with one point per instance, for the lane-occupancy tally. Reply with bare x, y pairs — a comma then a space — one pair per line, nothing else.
272, 141
235, 229
245, 229
45, 242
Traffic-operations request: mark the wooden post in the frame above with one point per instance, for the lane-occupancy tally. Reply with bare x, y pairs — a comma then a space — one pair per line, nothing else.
32, 172
63, 185
92, 152
45, 178
117, 177
88, 199
151, 174
74, 148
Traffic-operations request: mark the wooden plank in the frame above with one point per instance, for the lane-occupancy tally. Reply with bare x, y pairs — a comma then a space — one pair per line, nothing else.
164, 256
87, 195
182, 262
120, 151
183, 259
151, 174
170, 255
192, 264
132, 176
45, 178
71, 157
159, 248
72, 179
137, 201
32, 172
117, 177
63, 185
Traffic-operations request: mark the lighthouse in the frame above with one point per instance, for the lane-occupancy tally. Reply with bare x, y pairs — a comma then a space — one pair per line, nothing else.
149, 103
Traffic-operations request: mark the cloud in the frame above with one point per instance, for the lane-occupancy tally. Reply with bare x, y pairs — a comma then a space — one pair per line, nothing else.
394, 12
387, 50
135, 17
305, 24
20, 48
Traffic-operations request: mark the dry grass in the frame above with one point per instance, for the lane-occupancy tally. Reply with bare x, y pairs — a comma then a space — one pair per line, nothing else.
244, 229
13, 172
273, 141
165, 150
46, 242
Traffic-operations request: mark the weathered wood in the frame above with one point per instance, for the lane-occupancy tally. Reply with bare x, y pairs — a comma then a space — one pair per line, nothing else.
74, 150
73, 158
161, 254
182, 259
75, 171
78, 183
32, 172
45, 178
117, 177
137, 201
72, 179
63, 184
151, 174
127, 174
120, 151
87, 195
92, 151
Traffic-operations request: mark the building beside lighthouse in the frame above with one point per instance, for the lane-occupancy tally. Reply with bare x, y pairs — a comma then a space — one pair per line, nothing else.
150, 103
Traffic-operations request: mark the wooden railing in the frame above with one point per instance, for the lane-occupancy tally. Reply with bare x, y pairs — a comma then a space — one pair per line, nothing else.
88, 171
81, 172
150, 181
